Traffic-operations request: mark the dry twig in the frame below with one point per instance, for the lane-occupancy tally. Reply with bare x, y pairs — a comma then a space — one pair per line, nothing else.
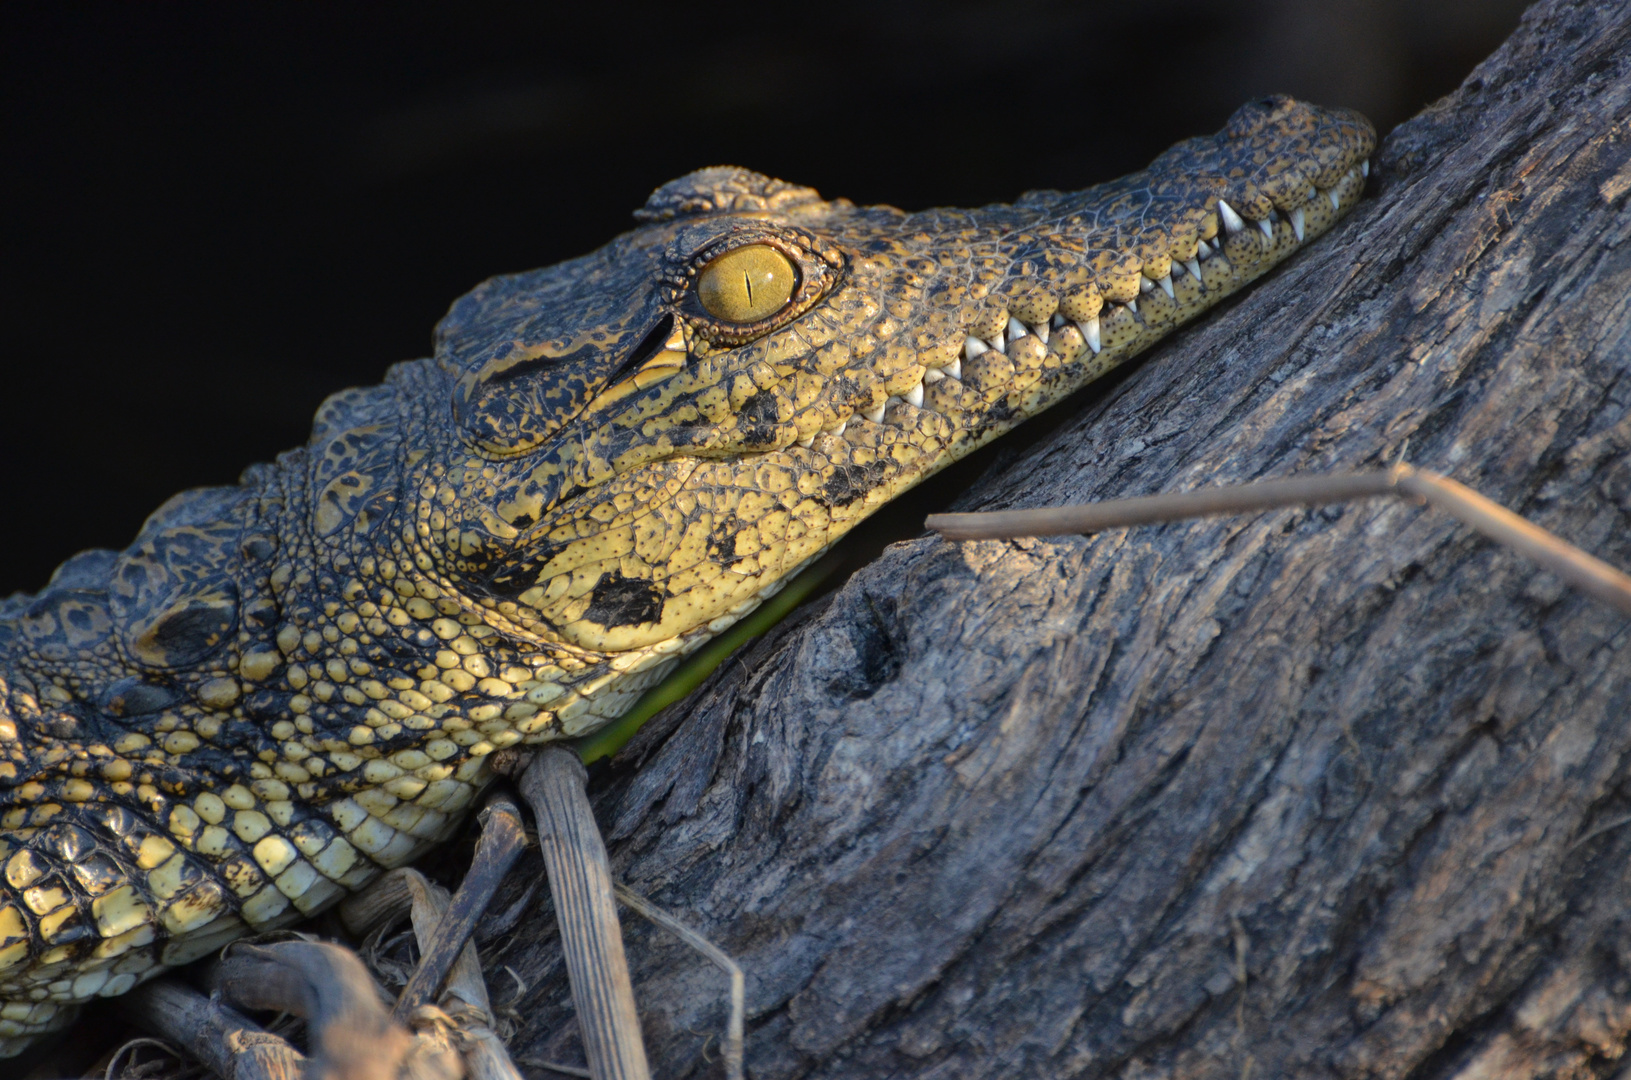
580, 881
502, 838
734, 1026
1585, 572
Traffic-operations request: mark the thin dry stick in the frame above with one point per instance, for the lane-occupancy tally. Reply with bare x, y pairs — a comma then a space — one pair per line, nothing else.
502, 839
551, 1066
224, 1042
580, 880
1585, 572
464, 1005
734, 1026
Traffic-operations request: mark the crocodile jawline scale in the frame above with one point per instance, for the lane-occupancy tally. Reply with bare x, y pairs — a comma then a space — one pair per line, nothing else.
284, 687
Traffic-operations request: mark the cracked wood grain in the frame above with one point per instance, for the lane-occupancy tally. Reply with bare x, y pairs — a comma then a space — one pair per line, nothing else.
1336, 792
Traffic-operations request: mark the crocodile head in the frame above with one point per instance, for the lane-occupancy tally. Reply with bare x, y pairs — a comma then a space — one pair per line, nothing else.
635, 447
282, 687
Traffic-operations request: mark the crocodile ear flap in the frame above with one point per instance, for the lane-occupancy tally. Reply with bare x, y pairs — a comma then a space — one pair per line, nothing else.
520, 397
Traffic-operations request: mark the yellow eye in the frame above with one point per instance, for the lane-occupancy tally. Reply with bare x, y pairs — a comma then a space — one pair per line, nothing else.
747, 285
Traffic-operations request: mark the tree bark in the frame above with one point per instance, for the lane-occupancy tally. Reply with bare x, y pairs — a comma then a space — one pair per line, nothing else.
1342, 792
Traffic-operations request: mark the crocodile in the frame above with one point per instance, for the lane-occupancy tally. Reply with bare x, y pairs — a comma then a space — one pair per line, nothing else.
282, 688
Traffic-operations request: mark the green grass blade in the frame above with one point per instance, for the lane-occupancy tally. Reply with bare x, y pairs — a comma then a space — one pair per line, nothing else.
700, 664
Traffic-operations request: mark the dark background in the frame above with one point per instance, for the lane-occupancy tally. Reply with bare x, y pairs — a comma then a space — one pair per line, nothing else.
217, 215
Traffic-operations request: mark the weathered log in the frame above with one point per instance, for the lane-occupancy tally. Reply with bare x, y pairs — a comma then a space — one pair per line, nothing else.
1338, 792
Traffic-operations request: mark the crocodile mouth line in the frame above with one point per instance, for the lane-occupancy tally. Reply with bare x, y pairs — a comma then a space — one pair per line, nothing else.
1194, 284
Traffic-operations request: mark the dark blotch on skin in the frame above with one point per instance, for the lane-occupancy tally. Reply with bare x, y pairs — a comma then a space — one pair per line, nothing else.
621, 601
848, 483
191, 632
722, 539
759, 420
133, 697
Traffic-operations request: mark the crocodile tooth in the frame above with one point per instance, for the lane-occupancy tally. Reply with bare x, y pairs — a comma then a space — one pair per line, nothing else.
1090, 332
807, 442
1058, 320
1267, 226
1016, 329
1297, 224
875, 415
1166, 285
1231, 220
933, 375
973, 346
999, 344
954, 370
914, 396
839, 430
1041, 332
1364, 168
1132, 306
1336, 203
1203, 250
1145, 284
1194, 267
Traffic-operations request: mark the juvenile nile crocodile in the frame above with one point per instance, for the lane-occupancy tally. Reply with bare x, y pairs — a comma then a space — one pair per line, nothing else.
283, 687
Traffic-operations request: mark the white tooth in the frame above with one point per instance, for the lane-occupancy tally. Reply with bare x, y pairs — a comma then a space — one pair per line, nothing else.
1041, 332
954, 370
874, 415
1274, 215
1166, 285
999, 344
933, 375
807, 442
1145, 284
1132, 306
1336, 203
1058, 320
1267, 226
1203, 251
839, 430
1297, 224
1364, 167
1194, 267
1090, 332
1231, 220
914, 396
1016, 329
973, 346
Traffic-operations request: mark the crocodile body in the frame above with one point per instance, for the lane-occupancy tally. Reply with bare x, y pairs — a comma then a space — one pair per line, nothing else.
282, 688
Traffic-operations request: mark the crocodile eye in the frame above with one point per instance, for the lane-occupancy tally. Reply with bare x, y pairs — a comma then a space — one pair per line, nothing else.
747, 285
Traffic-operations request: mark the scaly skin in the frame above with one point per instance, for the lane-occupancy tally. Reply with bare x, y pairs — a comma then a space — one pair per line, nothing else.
282, 688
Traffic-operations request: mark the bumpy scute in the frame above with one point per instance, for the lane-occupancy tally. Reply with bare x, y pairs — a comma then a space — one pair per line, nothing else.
280, 689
